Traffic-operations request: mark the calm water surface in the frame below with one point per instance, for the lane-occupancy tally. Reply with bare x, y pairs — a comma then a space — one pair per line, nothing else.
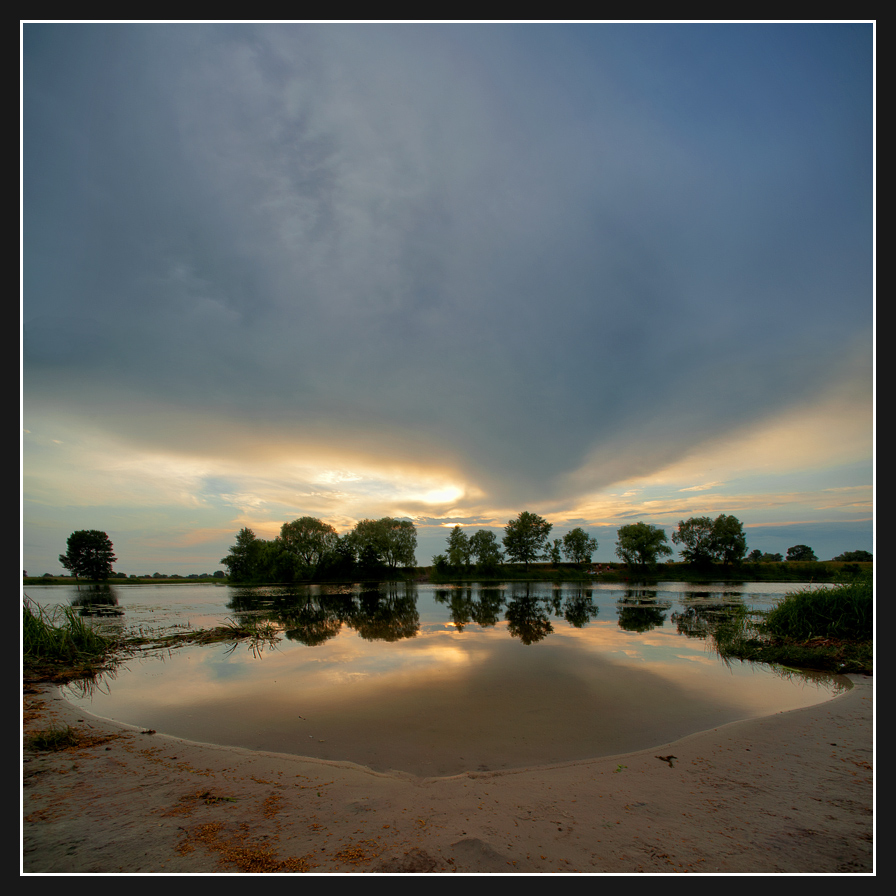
436, 680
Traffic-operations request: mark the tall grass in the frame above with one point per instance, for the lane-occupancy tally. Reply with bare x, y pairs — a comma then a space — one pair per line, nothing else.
840, 612
72, 640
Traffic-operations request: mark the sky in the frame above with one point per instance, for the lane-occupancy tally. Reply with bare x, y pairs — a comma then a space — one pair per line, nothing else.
601, 272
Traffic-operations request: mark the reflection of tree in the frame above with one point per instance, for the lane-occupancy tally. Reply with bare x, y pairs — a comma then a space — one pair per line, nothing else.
384, 614
526, 618
692, 623
312, 614
97, 600
701, 620
578, 606
309, 615
554, 601
384, 611
254, 600
639, 610
459, 602
639, 596
486, 609
482, 607
715, 597
311, 626
641, 618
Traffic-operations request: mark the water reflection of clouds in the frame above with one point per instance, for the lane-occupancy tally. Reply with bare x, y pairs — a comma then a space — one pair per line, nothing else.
703, 659
344, 676
581, 678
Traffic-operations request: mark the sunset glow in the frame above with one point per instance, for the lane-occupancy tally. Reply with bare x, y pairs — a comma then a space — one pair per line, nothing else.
600, 272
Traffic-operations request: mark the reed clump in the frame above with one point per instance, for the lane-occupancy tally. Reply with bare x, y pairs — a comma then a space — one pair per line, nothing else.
52, 739
829, 628
841, 612
69, 640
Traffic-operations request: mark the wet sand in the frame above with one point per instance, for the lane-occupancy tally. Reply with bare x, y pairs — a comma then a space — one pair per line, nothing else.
788, 793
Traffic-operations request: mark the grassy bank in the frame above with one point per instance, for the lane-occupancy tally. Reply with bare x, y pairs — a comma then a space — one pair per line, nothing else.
62, 646
829, 628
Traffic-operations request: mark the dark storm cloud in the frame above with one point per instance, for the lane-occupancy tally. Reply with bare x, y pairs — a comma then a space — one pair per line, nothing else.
509, 247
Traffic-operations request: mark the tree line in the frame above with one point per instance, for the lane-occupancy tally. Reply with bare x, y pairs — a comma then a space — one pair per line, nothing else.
308, 548
702, 541
526, 539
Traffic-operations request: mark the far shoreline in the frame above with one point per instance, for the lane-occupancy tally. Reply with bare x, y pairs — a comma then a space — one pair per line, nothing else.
822, 571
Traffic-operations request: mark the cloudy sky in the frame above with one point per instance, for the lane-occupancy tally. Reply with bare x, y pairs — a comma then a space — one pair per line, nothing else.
601, 272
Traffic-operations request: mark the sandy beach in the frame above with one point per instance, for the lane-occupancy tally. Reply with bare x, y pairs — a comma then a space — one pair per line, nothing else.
789, 793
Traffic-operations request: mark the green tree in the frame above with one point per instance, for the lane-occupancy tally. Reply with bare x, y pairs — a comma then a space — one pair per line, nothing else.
526, 537
400, 539
640, 544
697, 537
88, 555
578, 546
706, 540
340, 562
553, 550
757, 556
855, 557
729, 540
459, 552
389, 541
484, 547
308, 541
801, 552
365, 541
242, 557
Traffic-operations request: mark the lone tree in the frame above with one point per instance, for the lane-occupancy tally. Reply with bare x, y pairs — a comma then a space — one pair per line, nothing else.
640, 544
89, 555
526, 537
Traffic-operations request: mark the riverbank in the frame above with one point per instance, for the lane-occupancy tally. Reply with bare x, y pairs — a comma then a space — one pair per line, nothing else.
789, 793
